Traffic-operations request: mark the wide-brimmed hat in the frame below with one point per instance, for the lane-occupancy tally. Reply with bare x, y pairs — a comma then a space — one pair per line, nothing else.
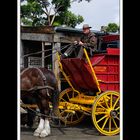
86, 26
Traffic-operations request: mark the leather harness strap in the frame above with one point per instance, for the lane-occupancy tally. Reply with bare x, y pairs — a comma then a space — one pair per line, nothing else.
45, 86
24, 71
43, 76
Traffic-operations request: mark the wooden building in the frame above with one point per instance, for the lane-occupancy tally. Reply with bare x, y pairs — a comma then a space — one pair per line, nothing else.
35, 40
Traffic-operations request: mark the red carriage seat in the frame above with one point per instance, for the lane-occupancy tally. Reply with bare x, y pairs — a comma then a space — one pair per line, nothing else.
80, 74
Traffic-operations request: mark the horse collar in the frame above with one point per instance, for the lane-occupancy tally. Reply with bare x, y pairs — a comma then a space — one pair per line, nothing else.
43, 76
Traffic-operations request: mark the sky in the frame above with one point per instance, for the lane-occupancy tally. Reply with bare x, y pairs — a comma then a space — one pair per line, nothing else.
97, 13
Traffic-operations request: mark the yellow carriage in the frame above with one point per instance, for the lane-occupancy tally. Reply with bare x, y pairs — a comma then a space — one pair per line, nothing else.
93, 90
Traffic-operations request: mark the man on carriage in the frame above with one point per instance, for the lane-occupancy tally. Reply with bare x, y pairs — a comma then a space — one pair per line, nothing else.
88, 40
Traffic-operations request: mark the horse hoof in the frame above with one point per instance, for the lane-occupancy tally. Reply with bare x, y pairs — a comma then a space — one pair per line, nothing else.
44, 133
37, 132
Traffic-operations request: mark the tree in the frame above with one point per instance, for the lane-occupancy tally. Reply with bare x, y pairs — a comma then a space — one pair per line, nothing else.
112, 27
70, 19
39, 12
31, 13
44, 12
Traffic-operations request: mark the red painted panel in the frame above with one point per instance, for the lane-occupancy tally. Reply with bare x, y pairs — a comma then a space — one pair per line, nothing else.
106, 67
107, 70
80, 74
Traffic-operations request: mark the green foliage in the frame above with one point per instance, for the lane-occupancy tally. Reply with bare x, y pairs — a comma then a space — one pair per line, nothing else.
37, 12
56, 23
26, 21
70, 19
112, 27
31, 13
61, 5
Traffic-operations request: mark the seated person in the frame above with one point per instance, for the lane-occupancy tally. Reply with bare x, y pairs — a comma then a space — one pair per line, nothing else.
88, 40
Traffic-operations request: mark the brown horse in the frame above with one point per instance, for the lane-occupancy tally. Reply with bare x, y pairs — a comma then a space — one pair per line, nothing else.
40, 84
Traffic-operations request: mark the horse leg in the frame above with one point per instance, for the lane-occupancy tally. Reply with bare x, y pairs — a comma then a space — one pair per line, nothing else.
39, 128
30, 118
43, 129
47, 130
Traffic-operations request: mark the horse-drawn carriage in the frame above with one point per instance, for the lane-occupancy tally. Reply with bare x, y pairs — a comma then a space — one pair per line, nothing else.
93, 90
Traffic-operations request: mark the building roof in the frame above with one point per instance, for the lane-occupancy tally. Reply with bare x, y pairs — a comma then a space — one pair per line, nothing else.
52, 30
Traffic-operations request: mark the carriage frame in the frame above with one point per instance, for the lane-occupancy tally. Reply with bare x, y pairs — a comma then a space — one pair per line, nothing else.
103, 106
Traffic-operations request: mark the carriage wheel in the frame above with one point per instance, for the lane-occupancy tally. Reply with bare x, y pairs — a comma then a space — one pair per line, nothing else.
69, 118
106, 113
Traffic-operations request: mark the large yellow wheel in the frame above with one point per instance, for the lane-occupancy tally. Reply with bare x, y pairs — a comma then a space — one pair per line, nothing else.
106, 113
68, 114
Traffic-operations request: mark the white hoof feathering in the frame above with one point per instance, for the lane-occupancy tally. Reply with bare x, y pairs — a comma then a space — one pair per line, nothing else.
40, 128
37, 132
46, 131
47, 126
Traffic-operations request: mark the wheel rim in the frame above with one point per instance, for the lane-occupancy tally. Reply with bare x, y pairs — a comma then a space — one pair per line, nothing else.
69, 118
106, 113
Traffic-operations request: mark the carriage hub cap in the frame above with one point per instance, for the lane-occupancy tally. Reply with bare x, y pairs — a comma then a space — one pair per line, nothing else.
113, 113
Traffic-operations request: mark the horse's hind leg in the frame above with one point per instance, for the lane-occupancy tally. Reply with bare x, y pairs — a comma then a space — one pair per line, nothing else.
31, 117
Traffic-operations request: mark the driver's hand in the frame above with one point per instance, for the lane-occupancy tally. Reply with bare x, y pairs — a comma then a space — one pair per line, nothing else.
81, 43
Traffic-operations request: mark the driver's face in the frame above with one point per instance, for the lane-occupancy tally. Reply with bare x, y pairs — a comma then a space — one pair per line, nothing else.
86, 30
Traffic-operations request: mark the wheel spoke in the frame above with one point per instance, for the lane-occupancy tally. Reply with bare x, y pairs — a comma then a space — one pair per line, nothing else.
102, 106
117, 108
76, 115
106, 102
72, 118
117, 118
68, 95
63, 99
73, 94
99, 113
115, 123
105, 123
62, 112
116, 102
109, 124
111, 101
101, 118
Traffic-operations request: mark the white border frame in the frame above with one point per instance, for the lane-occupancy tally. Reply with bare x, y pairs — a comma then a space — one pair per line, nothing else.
121, 69
18, 69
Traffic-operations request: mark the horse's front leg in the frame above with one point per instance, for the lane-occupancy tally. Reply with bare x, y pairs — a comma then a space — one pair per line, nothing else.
46, 131
40, 127
43, 129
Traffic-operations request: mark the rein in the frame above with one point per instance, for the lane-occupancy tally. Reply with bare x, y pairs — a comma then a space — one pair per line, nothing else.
26, 55
48, 116
39, 88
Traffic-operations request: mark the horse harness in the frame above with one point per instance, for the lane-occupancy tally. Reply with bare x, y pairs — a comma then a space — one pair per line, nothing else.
45, 86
